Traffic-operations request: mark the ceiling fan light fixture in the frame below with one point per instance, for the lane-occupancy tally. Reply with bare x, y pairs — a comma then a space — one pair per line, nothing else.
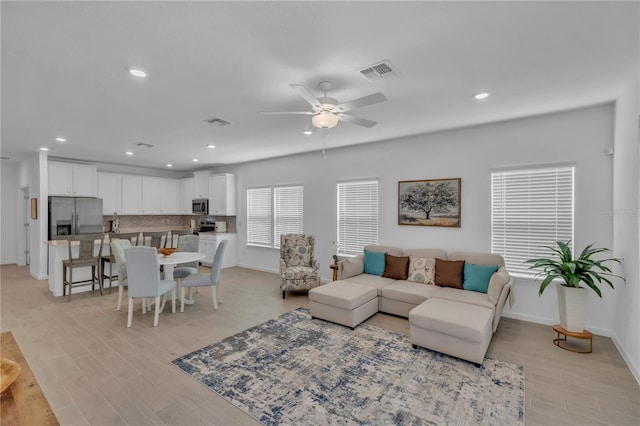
324, 120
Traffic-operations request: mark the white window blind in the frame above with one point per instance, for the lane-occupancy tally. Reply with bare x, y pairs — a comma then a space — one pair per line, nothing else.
530, 208
288, 207
259, 216
357, 216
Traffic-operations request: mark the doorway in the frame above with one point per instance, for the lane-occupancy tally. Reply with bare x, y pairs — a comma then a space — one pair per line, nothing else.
26, 217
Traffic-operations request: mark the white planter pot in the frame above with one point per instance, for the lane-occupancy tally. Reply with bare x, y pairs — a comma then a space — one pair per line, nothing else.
572, 304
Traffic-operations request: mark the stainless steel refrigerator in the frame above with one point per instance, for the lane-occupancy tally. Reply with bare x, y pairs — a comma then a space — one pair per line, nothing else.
74, 216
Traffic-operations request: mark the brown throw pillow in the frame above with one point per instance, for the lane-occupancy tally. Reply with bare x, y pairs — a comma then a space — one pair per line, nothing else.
396, 267
449, 273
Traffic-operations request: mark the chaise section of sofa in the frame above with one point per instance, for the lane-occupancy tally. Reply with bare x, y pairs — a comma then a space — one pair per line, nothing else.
455, 321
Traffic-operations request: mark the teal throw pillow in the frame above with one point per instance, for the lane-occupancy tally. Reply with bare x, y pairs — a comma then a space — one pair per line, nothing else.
477, 277
374, 263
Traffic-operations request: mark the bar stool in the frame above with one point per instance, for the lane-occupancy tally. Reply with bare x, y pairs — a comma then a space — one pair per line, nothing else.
175, 236
158, 239
134, 237
86, 258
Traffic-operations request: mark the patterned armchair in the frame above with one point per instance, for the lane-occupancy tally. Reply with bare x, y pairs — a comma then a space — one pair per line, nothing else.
298, 269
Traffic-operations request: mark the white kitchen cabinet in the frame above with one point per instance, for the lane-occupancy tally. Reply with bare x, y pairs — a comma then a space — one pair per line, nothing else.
110, 190
201, 184
222, 194
72, 180
209, 244
151, 195
185, 195
169, 196
131, 194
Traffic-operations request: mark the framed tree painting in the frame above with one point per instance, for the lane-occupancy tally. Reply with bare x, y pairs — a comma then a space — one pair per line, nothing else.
433, 202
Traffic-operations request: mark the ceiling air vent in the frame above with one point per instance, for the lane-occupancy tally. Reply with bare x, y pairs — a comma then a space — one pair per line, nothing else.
218, 121
380, 70
146, 145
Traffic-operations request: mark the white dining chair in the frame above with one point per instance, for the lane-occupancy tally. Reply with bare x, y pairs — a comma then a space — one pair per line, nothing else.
211, 279
143, 276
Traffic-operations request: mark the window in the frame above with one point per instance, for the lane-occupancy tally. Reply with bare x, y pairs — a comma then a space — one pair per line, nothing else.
530, 208
357, 216
287, 211
272, 211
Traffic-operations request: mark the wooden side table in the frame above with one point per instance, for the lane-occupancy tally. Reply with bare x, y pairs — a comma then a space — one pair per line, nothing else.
334, 266
586, 335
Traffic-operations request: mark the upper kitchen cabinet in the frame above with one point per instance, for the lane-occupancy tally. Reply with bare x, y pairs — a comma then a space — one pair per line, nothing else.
168, 196
131, 194
110, 190
72, 180
186, 196
201, 184
222, 194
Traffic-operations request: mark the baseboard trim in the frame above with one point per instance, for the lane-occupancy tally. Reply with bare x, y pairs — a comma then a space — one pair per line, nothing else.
627, 359
257, 268
38, 277
546, 321
274, 271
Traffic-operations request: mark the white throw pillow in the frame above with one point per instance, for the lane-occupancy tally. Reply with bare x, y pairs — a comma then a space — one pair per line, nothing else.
422, 270
352, 266
498, 280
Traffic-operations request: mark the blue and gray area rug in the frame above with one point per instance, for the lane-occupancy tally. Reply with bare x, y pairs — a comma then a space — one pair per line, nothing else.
298, 370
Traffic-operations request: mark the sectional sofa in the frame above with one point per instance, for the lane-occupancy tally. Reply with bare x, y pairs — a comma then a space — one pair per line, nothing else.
453, 301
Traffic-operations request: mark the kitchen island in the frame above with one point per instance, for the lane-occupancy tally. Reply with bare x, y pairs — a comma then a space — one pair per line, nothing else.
59, 251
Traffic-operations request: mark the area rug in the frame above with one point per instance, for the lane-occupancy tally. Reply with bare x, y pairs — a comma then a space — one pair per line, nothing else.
299, 370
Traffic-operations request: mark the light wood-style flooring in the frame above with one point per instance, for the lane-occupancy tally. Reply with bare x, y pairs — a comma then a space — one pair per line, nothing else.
94, 370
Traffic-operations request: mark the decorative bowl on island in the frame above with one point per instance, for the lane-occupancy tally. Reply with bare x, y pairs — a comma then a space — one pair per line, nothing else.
167, 251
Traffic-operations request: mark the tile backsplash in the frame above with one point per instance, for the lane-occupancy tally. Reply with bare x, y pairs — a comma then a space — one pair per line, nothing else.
159, 221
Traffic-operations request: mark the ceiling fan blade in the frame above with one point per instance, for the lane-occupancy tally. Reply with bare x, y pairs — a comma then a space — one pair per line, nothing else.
306, 94
289, 112
360, 102
356, 120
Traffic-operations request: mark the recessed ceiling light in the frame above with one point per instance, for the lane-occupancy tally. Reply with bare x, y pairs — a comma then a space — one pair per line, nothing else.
307, 132
211, 146
60, 139
44, 148
169, 165
137, 73
129, 152
481, 95
195, 160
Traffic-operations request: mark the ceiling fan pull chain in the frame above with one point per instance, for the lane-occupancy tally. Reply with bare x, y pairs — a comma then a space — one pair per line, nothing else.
324, 143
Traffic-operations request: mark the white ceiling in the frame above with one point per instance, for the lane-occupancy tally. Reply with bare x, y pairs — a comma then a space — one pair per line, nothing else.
64, 71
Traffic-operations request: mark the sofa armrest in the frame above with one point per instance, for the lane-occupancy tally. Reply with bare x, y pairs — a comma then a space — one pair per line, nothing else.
507, 291
283, 267
351, 267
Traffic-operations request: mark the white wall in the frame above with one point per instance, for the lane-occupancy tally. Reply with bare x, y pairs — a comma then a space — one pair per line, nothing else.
580, 136
626, 326
9, 213
32, 172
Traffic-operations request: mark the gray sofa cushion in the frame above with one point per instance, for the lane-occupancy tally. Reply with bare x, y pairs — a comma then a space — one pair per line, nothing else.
469, 297
478, 258
409, 292
371, 281
427, 253
352, 266
394, 251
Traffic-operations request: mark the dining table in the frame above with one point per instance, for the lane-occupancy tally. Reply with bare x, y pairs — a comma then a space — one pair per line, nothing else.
169, 263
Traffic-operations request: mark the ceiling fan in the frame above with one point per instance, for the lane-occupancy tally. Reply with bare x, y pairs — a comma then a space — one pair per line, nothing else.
326, 112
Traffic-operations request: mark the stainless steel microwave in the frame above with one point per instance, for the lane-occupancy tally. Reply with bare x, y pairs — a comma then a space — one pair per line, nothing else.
200, 206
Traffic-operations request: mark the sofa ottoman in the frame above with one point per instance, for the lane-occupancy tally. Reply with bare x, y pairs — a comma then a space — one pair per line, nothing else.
459, 329
343, 302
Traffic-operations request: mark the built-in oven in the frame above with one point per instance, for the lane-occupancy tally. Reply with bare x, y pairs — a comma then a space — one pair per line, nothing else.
200, 206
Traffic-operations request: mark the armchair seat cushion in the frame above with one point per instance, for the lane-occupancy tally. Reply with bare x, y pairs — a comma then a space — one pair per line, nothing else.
300, 273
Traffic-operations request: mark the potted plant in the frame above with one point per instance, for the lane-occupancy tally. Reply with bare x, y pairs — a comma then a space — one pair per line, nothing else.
561, 266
